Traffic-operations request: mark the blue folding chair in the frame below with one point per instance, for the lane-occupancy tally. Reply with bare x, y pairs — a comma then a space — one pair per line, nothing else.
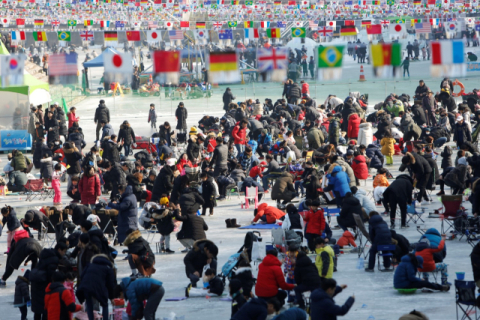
466, 299
385, 250
413, 214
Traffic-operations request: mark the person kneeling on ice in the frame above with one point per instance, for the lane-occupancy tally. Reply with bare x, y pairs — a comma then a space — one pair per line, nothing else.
433, 253
267, 214
405, 275
213, 286
257, 308
204, 252
136, 291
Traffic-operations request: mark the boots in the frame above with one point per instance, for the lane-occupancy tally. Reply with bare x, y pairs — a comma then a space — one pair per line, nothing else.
234, 224
229, 223
445, 287
445, 282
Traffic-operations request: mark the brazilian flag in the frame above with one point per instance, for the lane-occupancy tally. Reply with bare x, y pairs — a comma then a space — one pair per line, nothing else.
72, 23
298, 33
64, 35
232, 24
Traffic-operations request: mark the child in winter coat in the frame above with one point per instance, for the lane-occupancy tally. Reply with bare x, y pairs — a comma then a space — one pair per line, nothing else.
346, 240
215, 286
72, 190
152, 116
22, 294
164, 220
57, 199
388, 149
380, 179
69, 284
236, 292
316, 222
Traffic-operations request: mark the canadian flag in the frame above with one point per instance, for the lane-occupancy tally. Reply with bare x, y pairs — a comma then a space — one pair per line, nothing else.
169, 25
153, 36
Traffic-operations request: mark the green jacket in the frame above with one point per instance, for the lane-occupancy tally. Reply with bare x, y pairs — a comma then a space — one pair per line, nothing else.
405, 64
19, 162
315, 138
334, 131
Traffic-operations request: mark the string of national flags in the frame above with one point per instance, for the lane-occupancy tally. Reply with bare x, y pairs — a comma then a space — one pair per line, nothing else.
448, 59
347, 28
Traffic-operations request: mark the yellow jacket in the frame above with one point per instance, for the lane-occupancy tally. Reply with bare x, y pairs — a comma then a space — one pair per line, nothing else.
319, 261
388, 148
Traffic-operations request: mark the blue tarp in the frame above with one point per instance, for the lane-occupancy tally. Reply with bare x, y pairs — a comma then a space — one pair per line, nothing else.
98, 61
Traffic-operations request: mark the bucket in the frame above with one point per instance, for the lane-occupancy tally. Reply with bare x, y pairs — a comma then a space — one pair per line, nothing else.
460, 275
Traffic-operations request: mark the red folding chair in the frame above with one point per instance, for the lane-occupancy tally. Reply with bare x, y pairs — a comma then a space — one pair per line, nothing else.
448, 214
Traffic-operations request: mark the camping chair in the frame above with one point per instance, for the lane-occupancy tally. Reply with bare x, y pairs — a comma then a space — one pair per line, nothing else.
448, 214
251, 193
363, 237
466, 299
34, 189
278, 238
413, 214
331, 212
385, 250
151, 232
47, 230
106, 225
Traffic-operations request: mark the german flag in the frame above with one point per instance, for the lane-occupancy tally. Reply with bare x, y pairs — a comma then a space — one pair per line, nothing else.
348, 31
417, 2
111, 36
200, 25
366, 22
38, 22
223, 61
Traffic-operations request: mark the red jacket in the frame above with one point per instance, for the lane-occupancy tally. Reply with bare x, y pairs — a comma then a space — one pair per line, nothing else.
427, 255
346, 239
72, 117
256, 171
273, 214
353, 126
59, 302
316, 221
305, 88
239, 134
270, 278
89, 188
360, 168
301, 115
182, 163
326, 124
212, 143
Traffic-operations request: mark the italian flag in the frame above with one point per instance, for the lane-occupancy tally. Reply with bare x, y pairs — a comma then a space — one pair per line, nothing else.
273, 33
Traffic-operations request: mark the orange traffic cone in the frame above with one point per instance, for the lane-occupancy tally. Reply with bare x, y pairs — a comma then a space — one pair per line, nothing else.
362, 75
150, 79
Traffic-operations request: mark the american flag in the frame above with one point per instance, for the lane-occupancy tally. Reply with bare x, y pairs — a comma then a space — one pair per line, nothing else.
313, 25
423, 27
62, 64
175, 34
152, 24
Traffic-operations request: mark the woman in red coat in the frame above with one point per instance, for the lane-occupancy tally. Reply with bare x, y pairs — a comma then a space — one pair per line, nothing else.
360, 168
270, 278
72, 117
353, 126
89, 187
315, 219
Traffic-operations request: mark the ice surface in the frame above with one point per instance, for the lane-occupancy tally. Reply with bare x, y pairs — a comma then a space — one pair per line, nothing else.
374, 290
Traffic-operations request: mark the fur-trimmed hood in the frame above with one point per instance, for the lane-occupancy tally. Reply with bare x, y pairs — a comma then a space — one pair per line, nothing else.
333, 166
193, 138
70, 150
242, 269
162, 215
125, 126
412, 158
132, 237
196, 243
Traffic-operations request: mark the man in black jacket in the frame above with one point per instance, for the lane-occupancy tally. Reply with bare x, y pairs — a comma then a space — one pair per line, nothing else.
295, 94
419, 115
421, 90
203, 252
115, 177
306, 275
101, 114
227, 98
79, 212
421, 170
111, 149
164, 181
194, 148
399, 192
127, 136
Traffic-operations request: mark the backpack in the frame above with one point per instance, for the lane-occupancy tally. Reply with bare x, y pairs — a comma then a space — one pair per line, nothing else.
250, 238
230, 264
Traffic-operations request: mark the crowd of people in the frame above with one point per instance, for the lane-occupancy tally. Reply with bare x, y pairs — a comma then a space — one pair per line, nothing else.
305, 156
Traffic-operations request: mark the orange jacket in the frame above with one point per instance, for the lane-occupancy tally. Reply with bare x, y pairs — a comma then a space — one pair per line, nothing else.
272, 213
427, 254
380, 181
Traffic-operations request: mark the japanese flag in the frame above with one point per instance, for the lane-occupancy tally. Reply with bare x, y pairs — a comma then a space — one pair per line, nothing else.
117, 64
397, 28
5, 21
169, 25
154, 36
331, 24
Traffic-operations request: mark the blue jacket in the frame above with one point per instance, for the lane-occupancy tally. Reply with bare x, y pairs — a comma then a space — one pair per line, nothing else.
323, 306
379, 231
254, 145
339, 181
136, 291
265, 140
255, 309
127, 215
107, 131
365, 202
405, 273
434, 237
375, 156
98, 280
292, 314
11, 221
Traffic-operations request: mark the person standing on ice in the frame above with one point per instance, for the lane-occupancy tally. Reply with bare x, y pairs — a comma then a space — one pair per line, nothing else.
406, 65
152, 117
181, 114
101, 114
